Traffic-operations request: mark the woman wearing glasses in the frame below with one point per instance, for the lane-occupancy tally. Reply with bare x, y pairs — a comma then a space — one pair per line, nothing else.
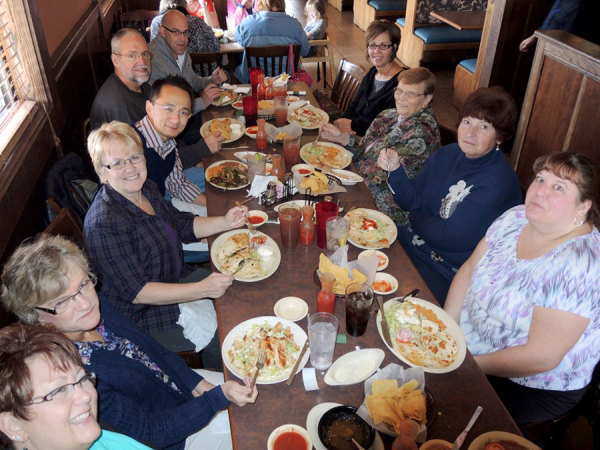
48, 400
134, 239
146, 392
461, 190
409, 130
377, 87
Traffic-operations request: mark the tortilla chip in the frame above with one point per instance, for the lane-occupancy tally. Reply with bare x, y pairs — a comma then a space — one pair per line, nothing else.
381, 386
342, 279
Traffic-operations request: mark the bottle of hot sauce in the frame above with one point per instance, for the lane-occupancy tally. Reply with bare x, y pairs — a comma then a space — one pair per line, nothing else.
261, 136
326, 297
261, 89
307, 227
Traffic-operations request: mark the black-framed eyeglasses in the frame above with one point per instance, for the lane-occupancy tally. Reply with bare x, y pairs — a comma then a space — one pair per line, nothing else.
176, 32
119, 164
183, 112
65, 392
133, 56
382, 46
64, 304
410, 94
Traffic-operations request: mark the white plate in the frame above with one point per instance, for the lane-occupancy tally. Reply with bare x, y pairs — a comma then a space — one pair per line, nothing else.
304, 154
346, 177
482, 440
300, 338
379, 276
291, 308
285, 429
257, 212
242, 155
354, 367
294, 118
251, 135
235, 135
228, 100
218, 163
297, 167
312, 426
451, 327
379, 217
270, 263
380, 254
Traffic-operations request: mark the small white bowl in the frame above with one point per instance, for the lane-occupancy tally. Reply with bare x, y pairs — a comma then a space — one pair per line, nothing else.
382, 257
238, 104
293, 98
435, 443
263, 215
298, 167
381, 276
290, 427
251, 135
291, 308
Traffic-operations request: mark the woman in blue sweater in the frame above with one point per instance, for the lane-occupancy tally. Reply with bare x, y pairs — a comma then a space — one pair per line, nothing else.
461, 190
145, 391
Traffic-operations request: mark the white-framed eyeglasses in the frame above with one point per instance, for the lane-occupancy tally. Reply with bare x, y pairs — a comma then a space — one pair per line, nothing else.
62, 305
410, 94
119, 164
183, 112
134, 56
65, 392
382, 46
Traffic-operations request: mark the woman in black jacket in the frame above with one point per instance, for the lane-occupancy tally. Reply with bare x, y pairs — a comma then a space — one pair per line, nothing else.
376, 91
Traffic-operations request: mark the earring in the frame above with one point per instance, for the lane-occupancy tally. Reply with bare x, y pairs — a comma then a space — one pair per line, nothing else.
497, 146
582, 222
575, 220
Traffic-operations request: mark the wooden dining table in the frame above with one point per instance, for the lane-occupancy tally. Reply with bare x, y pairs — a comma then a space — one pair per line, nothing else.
456, 394
461, 20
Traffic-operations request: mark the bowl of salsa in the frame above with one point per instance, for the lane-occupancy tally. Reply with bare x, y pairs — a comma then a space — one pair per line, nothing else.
303, 169
257, 217
289, 437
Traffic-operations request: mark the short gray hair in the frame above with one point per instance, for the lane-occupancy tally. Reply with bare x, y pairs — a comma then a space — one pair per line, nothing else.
114, 131
115, 42
38, 271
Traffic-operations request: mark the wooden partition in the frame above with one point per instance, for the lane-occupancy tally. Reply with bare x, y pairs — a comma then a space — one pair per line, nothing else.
560, 111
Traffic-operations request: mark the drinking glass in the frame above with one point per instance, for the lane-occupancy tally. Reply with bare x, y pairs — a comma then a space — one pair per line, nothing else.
291, 152
255, 166
359, 299
325, 210
281, 109
322, 333
337, 229
254, 74
250, 110
289, 225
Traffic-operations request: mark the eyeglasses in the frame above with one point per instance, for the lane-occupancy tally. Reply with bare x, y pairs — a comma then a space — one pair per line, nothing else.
382, 46
134, 56
183, 112
64, 304
410, 94
65, 392
119, 164
176, 32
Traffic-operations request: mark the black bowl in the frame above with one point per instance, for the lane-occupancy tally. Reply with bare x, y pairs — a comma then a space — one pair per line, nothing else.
339, 424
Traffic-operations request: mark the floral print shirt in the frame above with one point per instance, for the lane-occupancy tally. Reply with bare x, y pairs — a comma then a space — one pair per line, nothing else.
414, 139
126, 348
504, 290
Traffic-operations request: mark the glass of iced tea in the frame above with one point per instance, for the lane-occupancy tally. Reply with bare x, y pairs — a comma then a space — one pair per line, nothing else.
291, 152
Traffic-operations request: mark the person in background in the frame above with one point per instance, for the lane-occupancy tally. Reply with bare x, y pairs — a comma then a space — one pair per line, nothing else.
48, 401
376, 91
202, 39
239, 10
410, 130
563, 15
527, 299
461, 190
269, 26
133, 237
316, 21
145, 391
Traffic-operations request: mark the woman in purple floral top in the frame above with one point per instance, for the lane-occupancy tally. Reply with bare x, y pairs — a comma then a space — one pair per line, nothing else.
410, 130
528, 299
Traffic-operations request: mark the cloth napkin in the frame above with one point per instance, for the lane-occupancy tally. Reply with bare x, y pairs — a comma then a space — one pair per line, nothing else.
236, 89
199, 322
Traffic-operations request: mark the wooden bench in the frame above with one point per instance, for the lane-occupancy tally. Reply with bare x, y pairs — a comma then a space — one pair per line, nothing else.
383, 9
424, 37
340, 5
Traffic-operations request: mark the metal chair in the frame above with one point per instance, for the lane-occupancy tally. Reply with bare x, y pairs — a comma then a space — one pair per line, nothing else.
273, 59
324, 55
346, 84
205, 63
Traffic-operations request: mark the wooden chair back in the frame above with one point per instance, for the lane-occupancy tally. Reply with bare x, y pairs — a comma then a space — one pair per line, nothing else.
205, 63
65, 224
346, 84
273, 59
324, 55
139, 19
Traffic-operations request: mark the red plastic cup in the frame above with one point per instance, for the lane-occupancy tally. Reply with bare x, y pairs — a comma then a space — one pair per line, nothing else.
254, 73
325, 210
250, 110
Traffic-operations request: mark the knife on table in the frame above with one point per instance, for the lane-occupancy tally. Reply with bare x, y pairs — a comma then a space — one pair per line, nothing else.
293, 374
385, 329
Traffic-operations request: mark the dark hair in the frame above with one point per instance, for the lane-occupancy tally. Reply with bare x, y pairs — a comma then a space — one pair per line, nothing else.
382, 26
172, 80
18, 344
494, 105
418, 75
579, 170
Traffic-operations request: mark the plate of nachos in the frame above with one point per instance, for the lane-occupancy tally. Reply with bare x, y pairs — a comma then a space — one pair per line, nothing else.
231, 129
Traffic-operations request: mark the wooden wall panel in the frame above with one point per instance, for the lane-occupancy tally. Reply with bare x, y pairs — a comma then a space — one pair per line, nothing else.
582, 140
58, 17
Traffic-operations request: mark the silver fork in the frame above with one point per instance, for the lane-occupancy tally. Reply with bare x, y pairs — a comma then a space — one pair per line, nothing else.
240, 265
387, 179
251, 227
260, 363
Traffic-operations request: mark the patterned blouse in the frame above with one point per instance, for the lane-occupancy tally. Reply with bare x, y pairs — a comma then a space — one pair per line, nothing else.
202, 38
504, 290
414, 139
126, 348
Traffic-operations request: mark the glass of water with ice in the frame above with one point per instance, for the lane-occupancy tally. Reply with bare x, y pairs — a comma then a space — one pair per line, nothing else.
337, 229
322, 334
